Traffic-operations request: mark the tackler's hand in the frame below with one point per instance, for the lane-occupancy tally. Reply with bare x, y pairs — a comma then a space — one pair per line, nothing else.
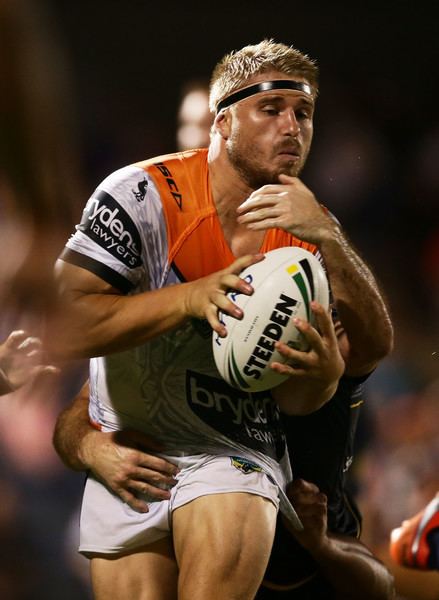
123, 462
311, 507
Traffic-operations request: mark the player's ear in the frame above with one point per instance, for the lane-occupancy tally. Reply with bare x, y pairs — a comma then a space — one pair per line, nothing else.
222, 123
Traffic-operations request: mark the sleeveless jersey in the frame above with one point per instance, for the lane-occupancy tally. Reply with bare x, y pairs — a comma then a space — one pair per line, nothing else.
151, 225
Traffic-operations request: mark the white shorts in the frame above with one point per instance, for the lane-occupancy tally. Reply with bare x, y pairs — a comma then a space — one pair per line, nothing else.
108, 525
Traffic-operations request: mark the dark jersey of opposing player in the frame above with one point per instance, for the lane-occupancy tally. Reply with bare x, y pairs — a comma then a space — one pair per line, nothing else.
321, 450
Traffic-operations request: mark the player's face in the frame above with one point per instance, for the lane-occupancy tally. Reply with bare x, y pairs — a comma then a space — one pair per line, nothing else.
270, 133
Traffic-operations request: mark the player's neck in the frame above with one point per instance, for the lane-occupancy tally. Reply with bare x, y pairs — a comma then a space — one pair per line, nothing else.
228, 188
228, 192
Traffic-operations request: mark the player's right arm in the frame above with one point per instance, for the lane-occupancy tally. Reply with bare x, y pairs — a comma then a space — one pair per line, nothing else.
99, 320
120, 244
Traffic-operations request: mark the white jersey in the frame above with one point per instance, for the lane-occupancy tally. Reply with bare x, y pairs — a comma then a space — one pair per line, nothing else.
169, 387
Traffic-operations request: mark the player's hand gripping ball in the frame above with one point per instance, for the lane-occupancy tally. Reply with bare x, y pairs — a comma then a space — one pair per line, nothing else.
284, 283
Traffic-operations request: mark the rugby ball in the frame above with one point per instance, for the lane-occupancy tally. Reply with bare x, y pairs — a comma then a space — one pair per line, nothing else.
284, 284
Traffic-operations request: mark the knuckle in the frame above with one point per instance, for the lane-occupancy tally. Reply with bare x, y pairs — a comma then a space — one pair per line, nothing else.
131, 454
120, 481
155, 477
126, 472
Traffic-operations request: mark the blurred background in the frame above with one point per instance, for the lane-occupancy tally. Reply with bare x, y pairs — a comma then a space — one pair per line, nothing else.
88, 87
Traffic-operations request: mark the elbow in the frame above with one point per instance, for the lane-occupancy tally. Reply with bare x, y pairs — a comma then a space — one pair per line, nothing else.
58, 445
389, 338
391, 589
384, 343
385, 588
373, 351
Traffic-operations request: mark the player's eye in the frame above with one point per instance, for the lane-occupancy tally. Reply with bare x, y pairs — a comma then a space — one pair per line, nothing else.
270, 110
303, 113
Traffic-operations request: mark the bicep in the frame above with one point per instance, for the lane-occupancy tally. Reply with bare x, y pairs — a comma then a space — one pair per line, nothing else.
87, 312
73, 281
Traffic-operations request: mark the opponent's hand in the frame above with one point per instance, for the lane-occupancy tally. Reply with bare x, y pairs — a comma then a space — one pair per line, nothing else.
22, 360
206, 296
311, 507
120, 460
290, 206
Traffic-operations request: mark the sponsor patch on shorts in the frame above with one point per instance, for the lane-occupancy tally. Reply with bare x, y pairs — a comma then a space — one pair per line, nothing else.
246, 466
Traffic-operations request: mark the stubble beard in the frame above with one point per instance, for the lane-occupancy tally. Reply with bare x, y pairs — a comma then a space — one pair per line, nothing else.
252, 172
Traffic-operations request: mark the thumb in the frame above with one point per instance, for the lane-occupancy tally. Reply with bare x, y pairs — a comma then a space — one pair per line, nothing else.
288, 179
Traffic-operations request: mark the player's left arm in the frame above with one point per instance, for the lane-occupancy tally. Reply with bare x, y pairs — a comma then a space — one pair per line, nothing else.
313, 375
346, 563
367, 334
365, 329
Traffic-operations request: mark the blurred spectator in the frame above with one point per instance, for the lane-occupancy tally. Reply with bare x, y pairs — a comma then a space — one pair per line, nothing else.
194, 118
39, 166
39, 185
399, 476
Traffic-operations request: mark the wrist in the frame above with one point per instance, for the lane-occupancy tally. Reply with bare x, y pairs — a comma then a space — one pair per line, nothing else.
332, 238
314, 541
87, 448
322, 548
324, 391
187, 300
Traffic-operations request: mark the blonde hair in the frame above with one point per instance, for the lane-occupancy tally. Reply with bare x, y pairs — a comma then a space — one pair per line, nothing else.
236, 68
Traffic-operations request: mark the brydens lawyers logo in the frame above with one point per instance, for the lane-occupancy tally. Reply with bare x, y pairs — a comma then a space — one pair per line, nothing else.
250, 419
110, 226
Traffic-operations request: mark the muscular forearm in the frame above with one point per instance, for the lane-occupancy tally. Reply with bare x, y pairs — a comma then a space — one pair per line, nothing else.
71, 430
360, 305
362, 310
97, 320
353, 571
99, 324
120, 459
